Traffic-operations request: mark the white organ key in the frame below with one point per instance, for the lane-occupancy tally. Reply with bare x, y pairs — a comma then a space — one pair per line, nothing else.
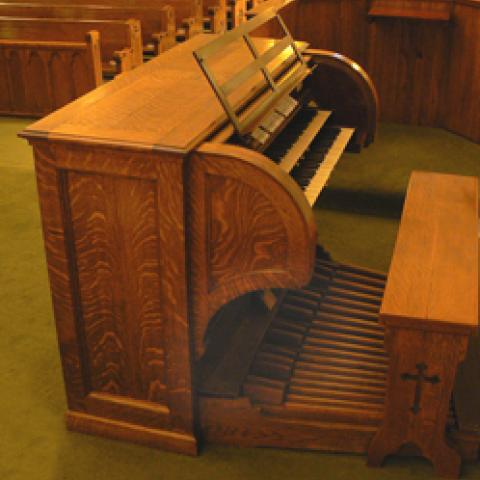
304, 140
325, 169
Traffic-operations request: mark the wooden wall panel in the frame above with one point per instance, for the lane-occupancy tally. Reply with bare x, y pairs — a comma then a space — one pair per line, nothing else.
338, 25
462, 95
426, 72
407, 61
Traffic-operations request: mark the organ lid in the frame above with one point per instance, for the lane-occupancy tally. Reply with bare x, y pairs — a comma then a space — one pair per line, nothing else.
165, 104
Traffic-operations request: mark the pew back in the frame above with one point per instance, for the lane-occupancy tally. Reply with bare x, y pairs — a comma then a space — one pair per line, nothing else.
37, 77
183, 8
154, 21
115, 35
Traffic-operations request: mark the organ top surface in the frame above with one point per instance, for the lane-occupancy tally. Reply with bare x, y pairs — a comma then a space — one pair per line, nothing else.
165, 104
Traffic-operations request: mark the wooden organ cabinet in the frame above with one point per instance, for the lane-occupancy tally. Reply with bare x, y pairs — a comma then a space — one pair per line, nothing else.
191, 300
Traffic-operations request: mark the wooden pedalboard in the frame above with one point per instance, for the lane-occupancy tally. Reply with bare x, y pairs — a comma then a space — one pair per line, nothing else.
310, 374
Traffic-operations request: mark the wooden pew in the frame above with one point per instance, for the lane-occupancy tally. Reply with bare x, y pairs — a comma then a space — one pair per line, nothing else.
188, 13
158, 26
120, 40
216, 11
429, 309
236, 12
37, 77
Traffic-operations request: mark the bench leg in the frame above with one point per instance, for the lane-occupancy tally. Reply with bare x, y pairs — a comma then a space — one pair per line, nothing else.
421, 375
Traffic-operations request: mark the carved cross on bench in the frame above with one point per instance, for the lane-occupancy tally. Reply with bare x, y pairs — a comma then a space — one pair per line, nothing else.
420, 378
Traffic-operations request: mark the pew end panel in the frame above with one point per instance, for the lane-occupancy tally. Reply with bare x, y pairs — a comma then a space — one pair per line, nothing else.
236, 10
163, 42
340, 84
39, 77
123, 60
250, 228
217, 12
165, 38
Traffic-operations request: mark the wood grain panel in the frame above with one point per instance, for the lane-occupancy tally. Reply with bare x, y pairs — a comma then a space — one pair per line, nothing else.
114, 227
417, 413
62, 277
114, 233
259, 232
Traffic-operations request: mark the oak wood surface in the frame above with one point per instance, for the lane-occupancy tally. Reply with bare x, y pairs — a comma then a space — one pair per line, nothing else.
321, 371
113, 224
420, 382
38, 77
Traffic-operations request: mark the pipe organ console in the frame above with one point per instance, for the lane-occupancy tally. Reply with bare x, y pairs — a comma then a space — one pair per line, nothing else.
191, 300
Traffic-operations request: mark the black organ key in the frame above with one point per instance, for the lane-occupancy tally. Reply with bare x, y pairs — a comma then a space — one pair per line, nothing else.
308, 165
282, 144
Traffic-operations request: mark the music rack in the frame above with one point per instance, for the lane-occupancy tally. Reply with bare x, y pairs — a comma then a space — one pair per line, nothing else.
277, 87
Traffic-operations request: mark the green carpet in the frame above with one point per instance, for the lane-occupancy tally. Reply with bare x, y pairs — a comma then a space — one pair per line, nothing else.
357, 217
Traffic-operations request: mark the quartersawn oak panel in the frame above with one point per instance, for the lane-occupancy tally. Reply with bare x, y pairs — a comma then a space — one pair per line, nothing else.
113, 223
233, 236
115, 237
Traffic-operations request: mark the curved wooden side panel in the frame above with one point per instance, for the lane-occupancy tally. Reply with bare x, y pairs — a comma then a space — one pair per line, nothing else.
250, 228
341, 85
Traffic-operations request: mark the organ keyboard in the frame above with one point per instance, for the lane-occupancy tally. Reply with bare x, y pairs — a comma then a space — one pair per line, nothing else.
169, 201
291, 131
